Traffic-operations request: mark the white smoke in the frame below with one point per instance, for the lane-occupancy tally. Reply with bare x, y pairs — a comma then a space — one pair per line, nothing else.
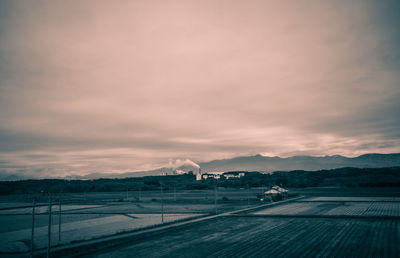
180, 172
182, 162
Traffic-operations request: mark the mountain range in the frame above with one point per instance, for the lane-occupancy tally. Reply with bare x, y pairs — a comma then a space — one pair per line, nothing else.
269, 164
258, 163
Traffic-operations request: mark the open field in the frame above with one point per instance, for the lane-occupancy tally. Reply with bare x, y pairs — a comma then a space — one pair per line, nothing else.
347, 191
271, 237
309, 227
350, 224
45, 209
195, 196
79, 229
88, 216
338, 208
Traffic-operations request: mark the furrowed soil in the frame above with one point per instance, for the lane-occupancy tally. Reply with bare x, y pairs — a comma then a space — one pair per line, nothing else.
356, 223
272, 237
328, 222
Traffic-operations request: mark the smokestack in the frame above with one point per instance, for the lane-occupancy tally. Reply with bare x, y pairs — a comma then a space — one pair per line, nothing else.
198, 176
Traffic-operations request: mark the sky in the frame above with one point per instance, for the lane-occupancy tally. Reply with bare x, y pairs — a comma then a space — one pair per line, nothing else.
115, 86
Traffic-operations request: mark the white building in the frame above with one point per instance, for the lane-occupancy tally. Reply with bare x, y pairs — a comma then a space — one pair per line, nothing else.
212, 174
230, 175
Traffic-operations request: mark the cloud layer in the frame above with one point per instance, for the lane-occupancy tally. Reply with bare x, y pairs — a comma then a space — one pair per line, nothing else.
95, 86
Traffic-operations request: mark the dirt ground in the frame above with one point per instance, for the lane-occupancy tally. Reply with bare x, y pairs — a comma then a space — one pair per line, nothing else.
355, 234
271, 237
315, 225
87, 216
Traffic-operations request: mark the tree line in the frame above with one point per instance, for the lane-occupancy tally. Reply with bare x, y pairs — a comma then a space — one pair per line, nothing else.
345, 177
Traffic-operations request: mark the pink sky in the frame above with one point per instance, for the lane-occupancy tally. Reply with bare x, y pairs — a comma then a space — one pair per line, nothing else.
109, 86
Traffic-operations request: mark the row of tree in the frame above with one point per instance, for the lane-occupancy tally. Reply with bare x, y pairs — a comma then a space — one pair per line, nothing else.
349, 177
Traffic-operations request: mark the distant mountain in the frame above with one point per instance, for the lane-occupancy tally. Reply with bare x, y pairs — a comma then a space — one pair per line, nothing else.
269, 164
155, 172
4, 176
248, 163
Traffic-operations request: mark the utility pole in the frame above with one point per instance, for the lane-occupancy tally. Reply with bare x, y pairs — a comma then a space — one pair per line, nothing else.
49, 230
175, 193
215, 199
162, 204
262, 192
33, 226
59, 219
248, 196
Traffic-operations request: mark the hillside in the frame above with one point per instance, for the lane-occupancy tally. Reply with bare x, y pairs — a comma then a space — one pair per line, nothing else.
269, 164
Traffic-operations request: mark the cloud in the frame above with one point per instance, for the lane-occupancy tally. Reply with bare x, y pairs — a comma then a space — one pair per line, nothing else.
94, 86
179, 163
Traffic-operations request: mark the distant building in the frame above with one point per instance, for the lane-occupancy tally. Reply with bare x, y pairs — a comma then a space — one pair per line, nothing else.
222, 175
276, 193
234, 174
212, 174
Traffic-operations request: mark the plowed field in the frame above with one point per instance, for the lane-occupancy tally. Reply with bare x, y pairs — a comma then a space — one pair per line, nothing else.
313, 227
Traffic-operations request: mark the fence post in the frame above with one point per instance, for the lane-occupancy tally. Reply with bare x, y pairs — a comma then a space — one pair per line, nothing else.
215, 199
162, 204
59, 219
248, 196
262, 192
33, 226
49, 230
175, 193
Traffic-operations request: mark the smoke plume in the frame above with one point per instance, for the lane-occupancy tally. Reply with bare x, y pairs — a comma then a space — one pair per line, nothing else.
182, 162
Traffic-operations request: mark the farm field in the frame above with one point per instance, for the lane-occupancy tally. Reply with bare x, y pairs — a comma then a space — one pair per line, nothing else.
169, 195
87, 216
351, 224
79, 229
272, 237
338, 208
45, 209
353, 199
347, 191
366, 227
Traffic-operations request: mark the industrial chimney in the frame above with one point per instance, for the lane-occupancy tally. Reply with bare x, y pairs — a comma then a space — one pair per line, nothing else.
198, 176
